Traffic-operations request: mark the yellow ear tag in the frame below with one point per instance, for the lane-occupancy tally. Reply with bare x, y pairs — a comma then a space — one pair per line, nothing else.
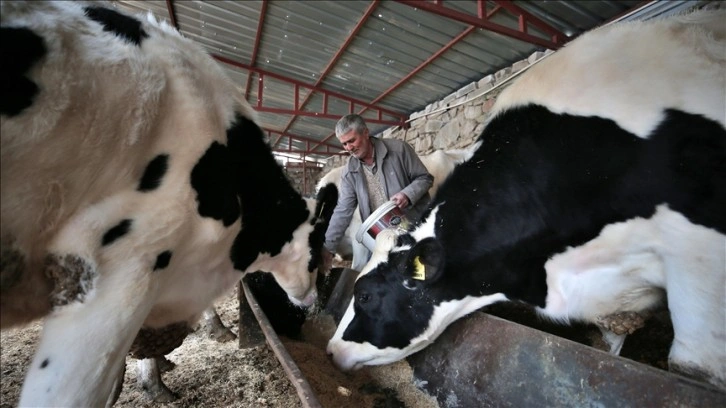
419, 272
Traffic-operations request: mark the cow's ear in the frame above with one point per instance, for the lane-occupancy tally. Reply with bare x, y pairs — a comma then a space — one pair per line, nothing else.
426, 261
327, 199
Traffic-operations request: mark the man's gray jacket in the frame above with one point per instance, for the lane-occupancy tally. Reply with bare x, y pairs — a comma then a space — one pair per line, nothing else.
400, 170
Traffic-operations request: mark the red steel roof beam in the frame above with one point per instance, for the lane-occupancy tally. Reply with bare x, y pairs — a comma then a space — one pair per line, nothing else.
401, 118
300, 138
525, 17
481, 10
424, 64
172, 14
336, 152
416, 70
312, 88
439, 9
256, 47
332, 116
333, 61
308, 152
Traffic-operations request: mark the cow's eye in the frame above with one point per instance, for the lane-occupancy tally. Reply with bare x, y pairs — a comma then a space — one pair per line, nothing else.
364, 298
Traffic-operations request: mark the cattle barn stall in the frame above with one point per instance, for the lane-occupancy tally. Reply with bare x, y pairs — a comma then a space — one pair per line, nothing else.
305, 130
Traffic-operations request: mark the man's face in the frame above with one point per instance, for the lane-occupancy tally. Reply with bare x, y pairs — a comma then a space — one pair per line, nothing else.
357, 144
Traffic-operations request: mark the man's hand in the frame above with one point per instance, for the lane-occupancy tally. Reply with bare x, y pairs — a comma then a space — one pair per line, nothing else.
400, 200
326, 261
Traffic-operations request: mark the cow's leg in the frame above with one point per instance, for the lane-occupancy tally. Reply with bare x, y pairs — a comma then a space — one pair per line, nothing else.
696, 285
165, 365
87, 335
616, 327
117, 386
213, 326
149, 376
614, 341
149, 347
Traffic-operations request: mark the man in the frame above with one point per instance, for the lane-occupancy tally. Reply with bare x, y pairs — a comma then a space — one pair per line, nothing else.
378, 169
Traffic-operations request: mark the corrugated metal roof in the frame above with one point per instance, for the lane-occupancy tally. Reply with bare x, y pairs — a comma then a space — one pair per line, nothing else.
400, 59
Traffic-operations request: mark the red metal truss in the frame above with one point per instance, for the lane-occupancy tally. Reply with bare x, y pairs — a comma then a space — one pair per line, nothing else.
329, 148
256, 47
352, 102
172, 13
557, 38
416, 70
335, 58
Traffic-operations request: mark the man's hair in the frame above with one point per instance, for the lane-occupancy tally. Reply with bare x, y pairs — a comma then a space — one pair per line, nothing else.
350, 122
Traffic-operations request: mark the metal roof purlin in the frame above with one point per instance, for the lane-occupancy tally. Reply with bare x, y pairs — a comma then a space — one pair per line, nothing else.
263, 73
256, 47
334, 60
557, 41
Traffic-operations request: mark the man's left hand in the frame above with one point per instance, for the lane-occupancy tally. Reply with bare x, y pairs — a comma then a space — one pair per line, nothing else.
400, 200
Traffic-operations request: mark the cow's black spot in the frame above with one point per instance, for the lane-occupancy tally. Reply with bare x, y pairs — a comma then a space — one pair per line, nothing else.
271, 208
44, 363
20, 49
326, 202
405, 239
286, 318
243, 179
154, 173
162, 260
116, 232
122, 25
213, 178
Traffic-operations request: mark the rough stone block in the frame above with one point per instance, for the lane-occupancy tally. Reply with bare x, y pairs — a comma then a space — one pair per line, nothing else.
467, 129
466, 90
448, 99
448, 135
503, 73
423, 143
536, 56
433, 126
472, 111
520, 65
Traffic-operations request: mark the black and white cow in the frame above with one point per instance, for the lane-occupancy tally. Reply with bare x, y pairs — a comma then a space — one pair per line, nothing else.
136, 189
599, 187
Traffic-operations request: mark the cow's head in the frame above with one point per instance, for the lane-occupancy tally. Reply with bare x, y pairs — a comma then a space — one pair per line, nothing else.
296, 267
401, 303
240, 184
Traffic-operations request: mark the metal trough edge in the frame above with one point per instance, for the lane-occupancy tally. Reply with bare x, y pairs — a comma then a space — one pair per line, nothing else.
296, 377
486, 361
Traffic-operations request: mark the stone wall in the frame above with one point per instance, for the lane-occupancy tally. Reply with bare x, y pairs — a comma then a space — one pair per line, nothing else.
304, 181
455, 121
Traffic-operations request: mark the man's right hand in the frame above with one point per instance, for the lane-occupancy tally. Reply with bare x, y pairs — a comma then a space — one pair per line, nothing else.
326, 260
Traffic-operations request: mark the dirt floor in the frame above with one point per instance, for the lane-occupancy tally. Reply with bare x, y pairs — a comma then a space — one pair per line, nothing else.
212, 374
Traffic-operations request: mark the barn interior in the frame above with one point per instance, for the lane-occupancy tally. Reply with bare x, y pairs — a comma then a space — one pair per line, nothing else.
423, 72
